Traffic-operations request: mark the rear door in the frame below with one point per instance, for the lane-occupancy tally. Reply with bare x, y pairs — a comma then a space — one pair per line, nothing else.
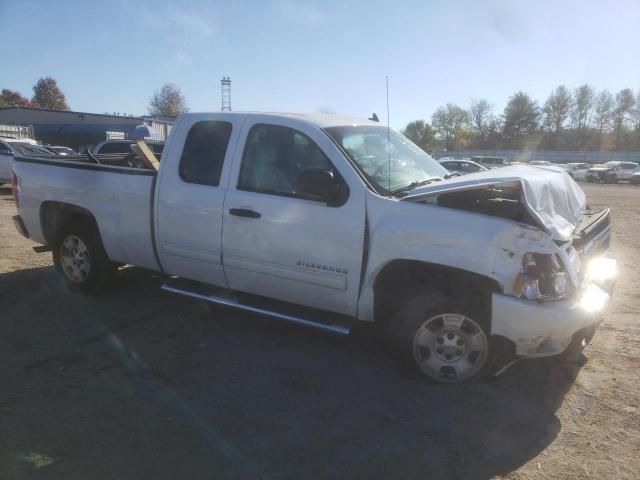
280, 244
190, 195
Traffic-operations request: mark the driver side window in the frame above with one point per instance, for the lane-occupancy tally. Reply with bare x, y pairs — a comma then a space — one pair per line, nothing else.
275, 157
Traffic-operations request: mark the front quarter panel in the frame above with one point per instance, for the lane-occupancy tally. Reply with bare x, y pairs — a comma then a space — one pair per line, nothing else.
405, 230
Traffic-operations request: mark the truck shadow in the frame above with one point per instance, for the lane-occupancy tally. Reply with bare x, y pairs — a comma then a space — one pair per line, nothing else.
251, 397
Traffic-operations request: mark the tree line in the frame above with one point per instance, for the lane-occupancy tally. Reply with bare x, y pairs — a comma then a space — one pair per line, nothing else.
167, 101
46, 94
578, 119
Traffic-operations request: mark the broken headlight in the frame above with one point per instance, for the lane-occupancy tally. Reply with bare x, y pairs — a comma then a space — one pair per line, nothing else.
541, 277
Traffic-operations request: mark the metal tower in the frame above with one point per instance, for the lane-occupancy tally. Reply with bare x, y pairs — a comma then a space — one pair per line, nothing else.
225, 90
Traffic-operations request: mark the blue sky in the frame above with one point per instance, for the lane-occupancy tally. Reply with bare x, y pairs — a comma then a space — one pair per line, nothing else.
287, 55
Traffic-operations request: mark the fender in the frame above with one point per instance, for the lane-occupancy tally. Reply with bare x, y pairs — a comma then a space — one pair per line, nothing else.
487, 246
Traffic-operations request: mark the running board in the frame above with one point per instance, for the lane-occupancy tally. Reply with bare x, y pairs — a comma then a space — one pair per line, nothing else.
202, 292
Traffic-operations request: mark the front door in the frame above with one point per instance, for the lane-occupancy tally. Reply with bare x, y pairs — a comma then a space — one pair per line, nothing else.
280, 243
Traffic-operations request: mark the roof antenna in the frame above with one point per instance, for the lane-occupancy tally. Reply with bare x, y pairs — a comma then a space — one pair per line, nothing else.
388, 136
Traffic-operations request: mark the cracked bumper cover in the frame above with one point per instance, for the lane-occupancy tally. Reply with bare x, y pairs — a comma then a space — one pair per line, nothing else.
544, 329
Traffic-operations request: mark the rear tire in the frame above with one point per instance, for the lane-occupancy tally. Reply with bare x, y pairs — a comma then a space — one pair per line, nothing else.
79, 256
445, 341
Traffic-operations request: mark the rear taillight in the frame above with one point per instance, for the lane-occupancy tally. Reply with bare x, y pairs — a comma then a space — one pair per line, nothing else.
14, 188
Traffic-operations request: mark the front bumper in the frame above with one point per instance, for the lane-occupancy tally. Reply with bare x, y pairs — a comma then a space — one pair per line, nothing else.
599, 176
544, 329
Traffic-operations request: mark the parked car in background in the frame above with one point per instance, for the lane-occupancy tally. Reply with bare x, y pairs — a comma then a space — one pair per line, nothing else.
348, 221
612, 172
12, 147
542, 163
124, 146
60, 150
462, 166
577, 171
492, 162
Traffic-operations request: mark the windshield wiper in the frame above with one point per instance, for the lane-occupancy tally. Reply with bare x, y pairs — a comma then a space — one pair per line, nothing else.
415, 184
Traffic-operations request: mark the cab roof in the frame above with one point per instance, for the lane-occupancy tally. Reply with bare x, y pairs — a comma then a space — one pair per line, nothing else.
318, 119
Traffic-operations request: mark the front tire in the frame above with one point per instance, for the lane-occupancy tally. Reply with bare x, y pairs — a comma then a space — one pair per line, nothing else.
79, 256
446, 342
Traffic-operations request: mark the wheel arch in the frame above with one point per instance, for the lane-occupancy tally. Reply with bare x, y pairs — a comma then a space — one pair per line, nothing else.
398, 277
55, 215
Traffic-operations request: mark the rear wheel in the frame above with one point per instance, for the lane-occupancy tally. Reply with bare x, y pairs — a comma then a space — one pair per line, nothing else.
445, 342
78, 254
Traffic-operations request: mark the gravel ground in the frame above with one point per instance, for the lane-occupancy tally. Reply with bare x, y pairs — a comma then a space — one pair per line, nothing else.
139, 384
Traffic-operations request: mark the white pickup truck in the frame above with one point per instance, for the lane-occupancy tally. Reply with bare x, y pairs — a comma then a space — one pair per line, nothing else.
325, 220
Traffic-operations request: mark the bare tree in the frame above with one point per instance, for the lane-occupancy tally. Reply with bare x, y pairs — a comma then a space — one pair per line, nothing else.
450, 124
47, 94
603, 111
482, 119
326, 110
168, 101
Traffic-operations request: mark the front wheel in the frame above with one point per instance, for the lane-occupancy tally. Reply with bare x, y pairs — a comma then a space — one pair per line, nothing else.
79, 256
444, 341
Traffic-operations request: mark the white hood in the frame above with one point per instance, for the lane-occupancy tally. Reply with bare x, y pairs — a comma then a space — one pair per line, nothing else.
550, 194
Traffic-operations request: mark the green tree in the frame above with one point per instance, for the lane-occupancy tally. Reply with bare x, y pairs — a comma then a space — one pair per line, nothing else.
450, 123
582, 107
47, 94
168, 101
520, 119
556, 111
624, 106
420, 133
602, 114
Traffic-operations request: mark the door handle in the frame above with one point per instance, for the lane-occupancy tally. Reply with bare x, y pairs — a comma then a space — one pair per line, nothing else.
244, 212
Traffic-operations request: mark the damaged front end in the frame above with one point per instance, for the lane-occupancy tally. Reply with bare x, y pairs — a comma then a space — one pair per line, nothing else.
552, 261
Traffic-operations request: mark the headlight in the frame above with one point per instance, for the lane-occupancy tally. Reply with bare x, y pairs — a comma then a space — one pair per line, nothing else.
541, 278
602, 269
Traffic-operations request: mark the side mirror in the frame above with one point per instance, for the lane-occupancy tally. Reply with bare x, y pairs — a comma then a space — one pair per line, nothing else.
317, 184
5, 151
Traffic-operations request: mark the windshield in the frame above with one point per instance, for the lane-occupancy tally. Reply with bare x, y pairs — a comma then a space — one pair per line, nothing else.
375, 148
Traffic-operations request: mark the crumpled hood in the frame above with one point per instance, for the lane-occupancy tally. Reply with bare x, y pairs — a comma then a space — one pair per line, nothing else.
551, 195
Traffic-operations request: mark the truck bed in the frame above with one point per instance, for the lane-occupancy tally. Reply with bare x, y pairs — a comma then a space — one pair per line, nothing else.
120, 198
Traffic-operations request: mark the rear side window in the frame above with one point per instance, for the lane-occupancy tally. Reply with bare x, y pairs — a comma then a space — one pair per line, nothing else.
204, 151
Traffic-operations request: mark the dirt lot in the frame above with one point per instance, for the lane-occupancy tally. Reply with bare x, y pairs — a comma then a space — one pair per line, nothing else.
140, 384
